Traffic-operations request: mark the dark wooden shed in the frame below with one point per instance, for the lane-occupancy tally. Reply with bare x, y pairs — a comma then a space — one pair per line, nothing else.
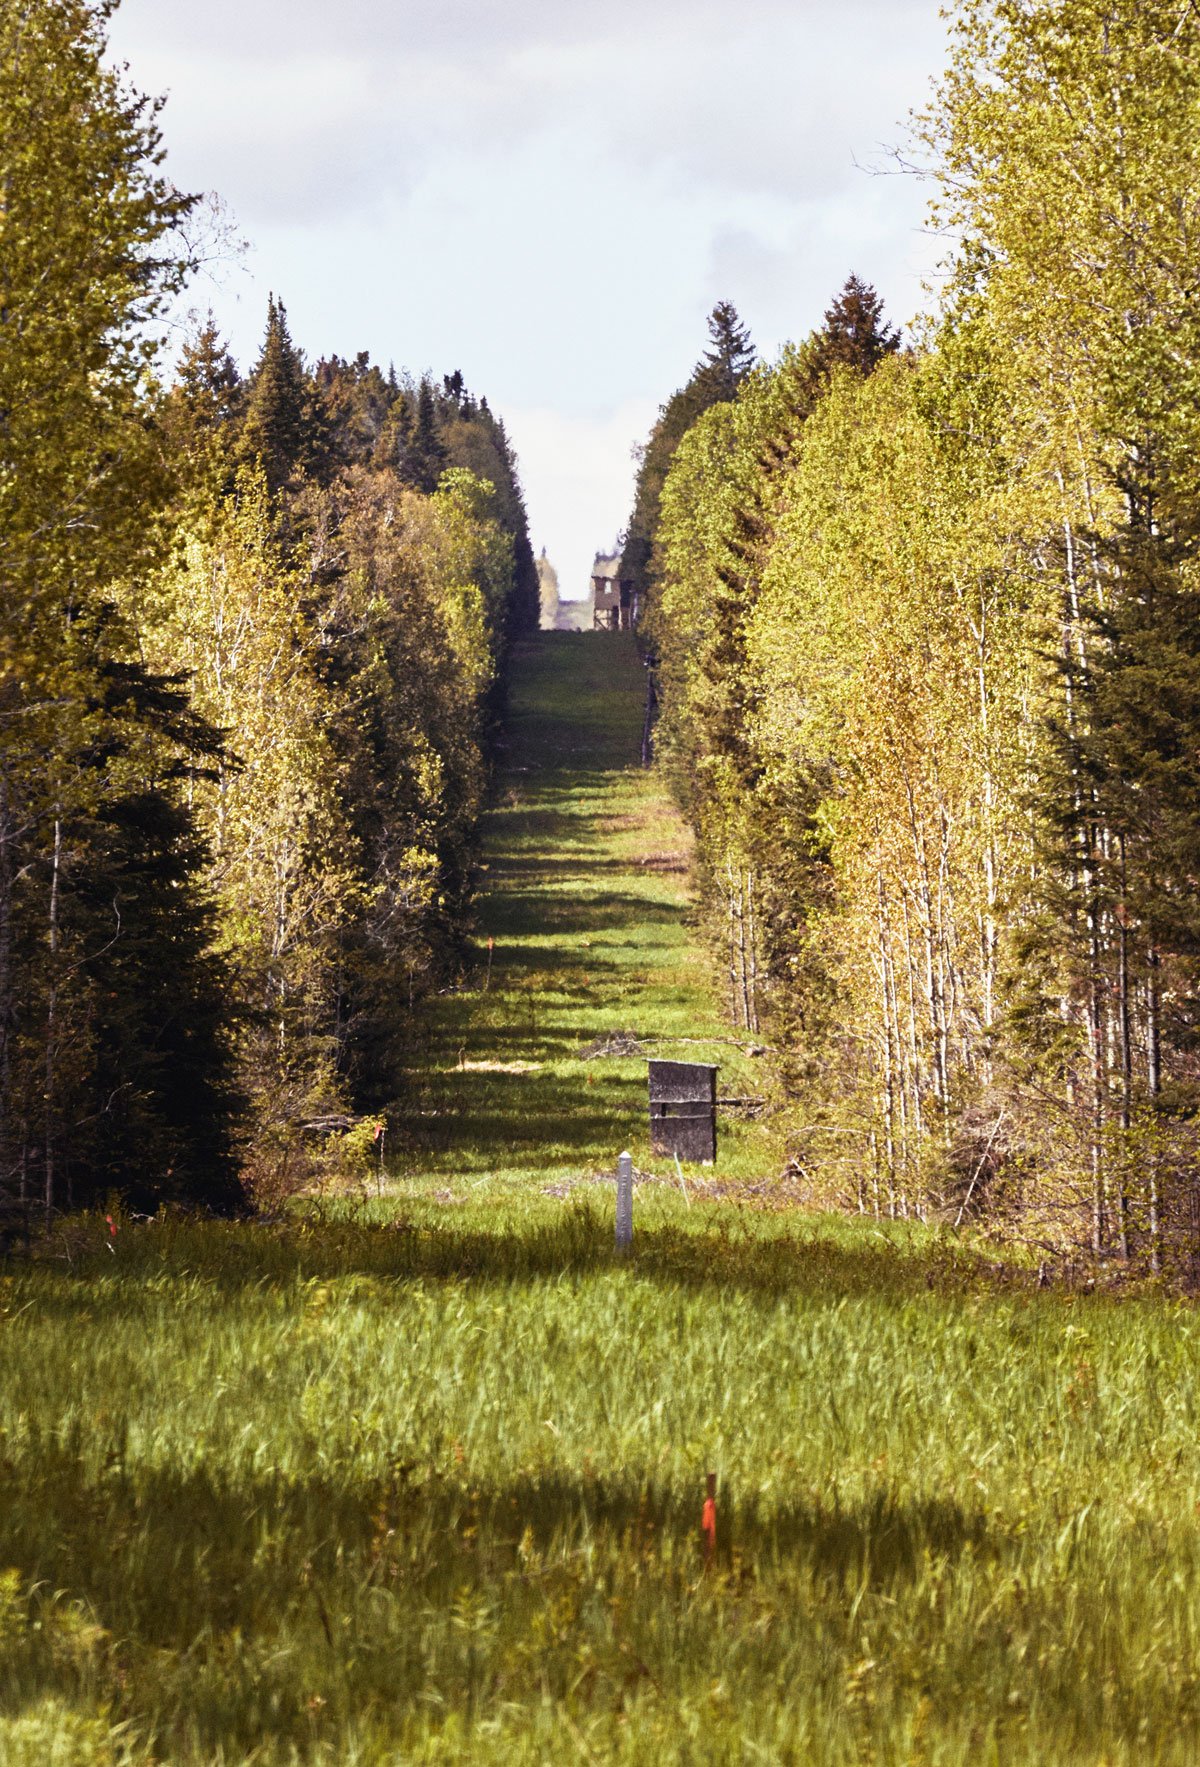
683, 1110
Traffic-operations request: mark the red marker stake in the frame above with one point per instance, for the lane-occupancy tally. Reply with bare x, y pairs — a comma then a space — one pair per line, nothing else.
708, 1524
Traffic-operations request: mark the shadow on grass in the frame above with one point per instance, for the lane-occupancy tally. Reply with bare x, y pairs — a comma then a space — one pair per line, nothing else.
531, 912
190, 1553
463, 1041
538, 866
212, 1631
752, 1255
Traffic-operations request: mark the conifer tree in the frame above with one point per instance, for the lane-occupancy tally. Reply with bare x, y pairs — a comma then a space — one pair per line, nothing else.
730, 355
354, 400
159, 1021
201, 411
86, 265
275, 431
426, 455
854, 334
714, 380
395, 436
207, 382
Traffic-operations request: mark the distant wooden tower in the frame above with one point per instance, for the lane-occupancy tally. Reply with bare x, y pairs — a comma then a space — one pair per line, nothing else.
614, 604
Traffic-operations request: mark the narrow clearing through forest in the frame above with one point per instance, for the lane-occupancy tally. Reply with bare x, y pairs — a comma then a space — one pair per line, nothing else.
538, 1065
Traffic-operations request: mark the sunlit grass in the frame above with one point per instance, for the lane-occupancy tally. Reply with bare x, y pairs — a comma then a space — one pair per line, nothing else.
587, 906
432, 1490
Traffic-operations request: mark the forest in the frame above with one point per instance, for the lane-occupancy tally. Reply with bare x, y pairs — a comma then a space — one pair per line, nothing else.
254, 639
927, 628
340, 915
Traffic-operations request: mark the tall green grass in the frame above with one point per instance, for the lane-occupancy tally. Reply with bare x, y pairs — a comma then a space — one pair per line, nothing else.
431, 1491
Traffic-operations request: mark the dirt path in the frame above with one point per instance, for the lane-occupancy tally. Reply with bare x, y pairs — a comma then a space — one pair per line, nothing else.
528, 1074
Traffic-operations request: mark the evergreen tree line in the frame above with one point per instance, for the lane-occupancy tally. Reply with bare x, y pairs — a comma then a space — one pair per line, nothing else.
928, 631
251, 649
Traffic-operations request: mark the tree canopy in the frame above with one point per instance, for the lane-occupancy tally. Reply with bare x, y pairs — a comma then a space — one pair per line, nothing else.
251, 656
928, 647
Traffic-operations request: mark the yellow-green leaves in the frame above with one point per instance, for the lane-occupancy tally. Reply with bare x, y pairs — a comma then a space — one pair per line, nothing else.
929, 649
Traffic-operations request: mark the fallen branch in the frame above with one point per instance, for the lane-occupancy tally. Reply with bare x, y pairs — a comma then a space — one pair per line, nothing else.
709, 1042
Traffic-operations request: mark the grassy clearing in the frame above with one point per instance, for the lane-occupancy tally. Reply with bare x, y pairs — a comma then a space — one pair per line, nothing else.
587, 907
420, 1480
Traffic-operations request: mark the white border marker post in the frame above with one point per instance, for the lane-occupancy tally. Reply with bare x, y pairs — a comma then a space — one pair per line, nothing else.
625, 1202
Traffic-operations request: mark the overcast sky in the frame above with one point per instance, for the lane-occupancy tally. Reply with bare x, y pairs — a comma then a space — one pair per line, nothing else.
549, 195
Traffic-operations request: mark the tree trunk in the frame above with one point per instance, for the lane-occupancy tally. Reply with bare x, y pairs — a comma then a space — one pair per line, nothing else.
52, 1024
1124, 1030
8, 1160
1075, 651
751, 910
743, 954
891, 1041
732, 907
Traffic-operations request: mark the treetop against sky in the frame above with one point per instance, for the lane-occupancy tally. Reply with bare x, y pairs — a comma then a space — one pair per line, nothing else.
549, 197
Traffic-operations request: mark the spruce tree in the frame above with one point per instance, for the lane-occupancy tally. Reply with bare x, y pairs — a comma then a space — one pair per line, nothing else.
426, 455
395, 437
157, 996
275, 431
715, 380
730, 355
352, 403
854, 334
207, 381
201, 412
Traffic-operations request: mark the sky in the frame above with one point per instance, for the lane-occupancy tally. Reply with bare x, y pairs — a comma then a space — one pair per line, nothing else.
548, 195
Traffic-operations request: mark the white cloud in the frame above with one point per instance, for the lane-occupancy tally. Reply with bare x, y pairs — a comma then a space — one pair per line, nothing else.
547, 194
744, 101
481, 30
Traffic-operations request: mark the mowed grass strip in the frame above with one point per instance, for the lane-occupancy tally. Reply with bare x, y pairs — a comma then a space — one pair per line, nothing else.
418, 1476
432, 1491
586, 905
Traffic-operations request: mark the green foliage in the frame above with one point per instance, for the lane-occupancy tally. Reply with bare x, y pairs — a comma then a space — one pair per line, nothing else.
248, 680
725, 499
417, 1472
730, 353
714, 380
426, 451
854, 334
97, 844
282, 432
928, 649
348, 647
